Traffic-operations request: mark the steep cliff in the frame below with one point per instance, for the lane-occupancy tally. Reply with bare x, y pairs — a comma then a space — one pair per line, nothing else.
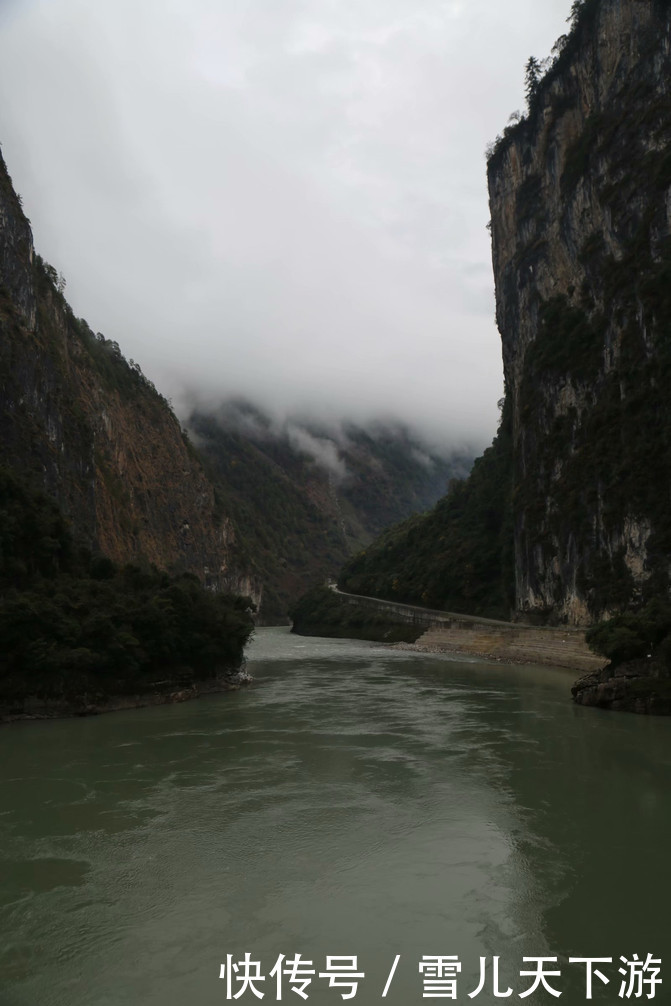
79, 422
566, 519
254, 510
580, 195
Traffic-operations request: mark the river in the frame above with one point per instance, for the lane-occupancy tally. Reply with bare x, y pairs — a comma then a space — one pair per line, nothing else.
356, 800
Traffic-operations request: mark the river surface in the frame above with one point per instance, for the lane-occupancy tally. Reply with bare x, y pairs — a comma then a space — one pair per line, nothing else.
356, 800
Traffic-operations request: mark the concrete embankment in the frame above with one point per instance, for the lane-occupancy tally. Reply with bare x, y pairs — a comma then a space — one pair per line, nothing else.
484, 637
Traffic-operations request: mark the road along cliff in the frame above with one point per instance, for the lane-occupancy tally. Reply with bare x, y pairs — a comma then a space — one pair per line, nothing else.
329, 611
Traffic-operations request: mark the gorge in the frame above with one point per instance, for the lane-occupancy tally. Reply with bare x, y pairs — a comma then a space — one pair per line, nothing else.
132, 554
565, 519
409, 789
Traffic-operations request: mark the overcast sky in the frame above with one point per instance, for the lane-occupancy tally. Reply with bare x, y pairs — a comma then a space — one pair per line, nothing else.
284, 199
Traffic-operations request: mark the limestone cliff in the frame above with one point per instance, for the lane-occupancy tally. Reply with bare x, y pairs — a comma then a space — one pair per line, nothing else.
580, 195
80, 422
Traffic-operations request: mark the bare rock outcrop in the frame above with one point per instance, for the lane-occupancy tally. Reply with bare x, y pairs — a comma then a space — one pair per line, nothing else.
580, 195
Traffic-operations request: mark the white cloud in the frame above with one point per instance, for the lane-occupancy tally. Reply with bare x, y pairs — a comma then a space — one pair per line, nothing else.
281, 200
323, 451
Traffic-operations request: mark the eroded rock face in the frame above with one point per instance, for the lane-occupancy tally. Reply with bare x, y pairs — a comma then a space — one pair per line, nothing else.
16, 251
81, 423
638, 686
580, 196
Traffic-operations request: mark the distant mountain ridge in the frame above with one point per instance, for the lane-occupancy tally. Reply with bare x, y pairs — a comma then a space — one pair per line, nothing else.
307, 494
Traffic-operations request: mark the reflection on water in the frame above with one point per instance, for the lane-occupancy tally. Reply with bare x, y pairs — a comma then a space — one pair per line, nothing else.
356, 800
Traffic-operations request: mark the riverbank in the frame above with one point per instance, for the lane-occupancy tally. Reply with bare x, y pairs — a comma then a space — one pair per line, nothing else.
636, 686
40, 708
483, 654
513, 645
361, 797
327, 612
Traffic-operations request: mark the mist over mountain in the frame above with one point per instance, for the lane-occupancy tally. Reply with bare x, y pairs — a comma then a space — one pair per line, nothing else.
325, 437
303, 494
263, 505
284, 201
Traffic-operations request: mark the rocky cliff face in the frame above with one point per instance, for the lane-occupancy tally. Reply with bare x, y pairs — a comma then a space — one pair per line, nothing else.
16, 252
580, 195
90, 429
253, 511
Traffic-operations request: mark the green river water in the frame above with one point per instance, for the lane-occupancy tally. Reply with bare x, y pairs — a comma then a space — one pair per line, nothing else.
356, 800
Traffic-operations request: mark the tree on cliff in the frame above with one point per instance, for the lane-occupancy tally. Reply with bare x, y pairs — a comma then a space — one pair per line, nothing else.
532, 76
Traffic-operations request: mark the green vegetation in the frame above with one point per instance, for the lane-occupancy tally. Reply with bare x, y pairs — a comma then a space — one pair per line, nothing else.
390, 476
596, 448
321, 612
296, 524
284, 535
72, 623
458, 557
533, 74
115, 372
635, 635
592, 469
611, 453
569, 342
6, 187
539, 75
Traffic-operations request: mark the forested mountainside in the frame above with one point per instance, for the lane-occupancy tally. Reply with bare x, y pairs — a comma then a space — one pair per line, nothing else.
571, 503
457, 557
305, 495
109, 526
80, 634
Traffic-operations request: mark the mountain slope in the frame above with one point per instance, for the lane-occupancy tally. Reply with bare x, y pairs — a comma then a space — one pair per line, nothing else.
80, 635
255, 510
79, 422
305, 496
581, 210
457, 557
580, 195
100, 495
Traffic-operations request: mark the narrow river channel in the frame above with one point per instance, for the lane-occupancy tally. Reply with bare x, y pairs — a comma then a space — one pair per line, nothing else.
356, 800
